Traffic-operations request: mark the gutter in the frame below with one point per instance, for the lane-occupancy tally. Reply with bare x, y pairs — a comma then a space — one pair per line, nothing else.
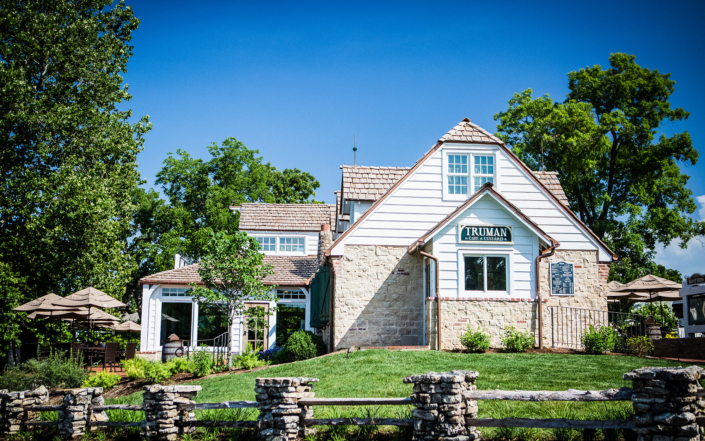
438, 295
552, 249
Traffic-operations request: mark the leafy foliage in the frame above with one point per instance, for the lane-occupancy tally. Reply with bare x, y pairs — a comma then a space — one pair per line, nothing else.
640, 346
475, 340
201, 363
624, 183
67, 153
301, 345
104, 379
57, 370
598, 340
517, 341
232, 270
660, 311
250, 358
270, 354
625, 271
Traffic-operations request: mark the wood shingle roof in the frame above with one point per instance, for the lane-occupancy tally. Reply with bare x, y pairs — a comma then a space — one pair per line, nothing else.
286, 217
552, 184
362, 183
465, 131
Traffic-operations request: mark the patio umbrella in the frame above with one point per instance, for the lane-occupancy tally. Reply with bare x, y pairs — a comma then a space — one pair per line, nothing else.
37, 303
128, 326
90, 297
650, 285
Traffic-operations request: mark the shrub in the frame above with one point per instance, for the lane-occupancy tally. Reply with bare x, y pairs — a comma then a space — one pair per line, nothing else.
517, 341
202, 363
57, 370
179, 365
103, 379
301, 345
134, 369
156, 372
270, 354
250, 358
598, 340
475, 341
150, 371
640, 346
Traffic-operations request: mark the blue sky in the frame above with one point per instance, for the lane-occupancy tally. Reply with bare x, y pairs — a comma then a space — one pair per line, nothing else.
296, 80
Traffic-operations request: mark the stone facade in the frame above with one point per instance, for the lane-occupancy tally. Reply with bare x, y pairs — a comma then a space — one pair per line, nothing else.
281, 417
378, 297
164, 418
12, 408
666, 403
441, 409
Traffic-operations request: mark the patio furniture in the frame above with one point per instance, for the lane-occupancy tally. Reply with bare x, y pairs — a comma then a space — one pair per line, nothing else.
130, 350
110, 355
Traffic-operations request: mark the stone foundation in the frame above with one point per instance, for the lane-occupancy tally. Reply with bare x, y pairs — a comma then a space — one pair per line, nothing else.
12, 408
378, 297
281, 417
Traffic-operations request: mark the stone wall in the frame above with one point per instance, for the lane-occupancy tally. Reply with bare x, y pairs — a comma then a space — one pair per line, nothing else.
164, 419
12, 408
378, 297
590, 289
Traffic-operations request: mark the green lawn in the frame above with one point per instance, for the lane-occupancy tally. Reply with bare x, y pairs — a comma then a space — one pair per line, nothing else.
379, 373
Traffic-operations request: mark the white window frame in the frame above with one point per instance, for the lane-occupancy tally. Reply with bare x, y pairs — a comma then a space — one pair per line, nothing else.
507, 254
290, 253
470, 153
483, 175
267, 236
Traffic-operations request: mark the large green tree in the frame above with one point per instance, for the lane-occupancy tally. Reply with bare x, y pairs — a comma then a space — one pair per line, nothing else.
67, 152
199, 194
620, 175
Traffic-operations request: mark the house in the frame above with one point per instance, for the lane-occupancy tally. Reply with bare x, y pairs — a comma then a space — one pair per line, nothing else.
469, 227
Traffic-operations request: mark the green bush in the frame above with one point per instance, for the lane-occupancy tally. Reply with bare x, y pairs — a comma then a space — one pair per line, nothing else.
517, 341
150, 371
475, 341
57, 370
599, 340
103, 379
156, 372
202, 363
249, 358
134, 368
640, 346
301, 345
179, 365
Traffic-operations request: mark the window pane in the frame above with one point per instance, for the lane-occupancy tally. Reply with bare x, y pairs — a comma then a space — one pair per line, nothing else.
496, 273
696, 309
211, 322
176, 319
290, 318
474, 273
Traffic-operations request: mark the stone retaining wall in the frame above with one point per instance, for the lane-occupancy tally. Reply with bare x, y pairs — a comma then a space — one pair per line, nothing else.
12, 408
164, 419
281, 417
76, 412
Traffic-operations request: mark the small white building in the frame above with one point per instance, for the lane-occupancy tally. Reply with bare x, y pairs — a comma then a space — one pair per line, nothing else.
693, 294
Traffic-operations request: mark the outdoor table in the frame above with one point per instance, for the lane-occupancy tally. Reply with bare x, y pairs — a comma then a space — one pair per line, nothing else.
94, 352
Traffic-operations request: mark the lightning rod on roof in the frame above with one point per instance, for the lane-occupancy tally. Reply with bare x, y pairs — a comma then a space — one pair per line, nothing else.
354, 152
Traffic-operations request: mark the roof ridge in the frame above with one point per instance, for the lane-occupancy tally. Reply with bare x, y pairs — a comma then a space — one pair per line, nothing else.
391, 167
466, 131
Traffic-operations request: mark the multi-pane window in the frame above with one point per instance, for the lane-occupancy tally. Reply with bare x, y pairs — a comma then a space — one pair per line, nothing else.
174, 292
292, 244
457, 174
483, 171
267, 243
485, 273
176, 319
290, 294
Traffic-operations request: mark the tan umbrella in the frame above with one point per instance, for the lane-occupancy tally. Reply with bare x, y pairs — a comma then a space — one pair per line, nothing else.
39, 302
128, 326
649, 285
90, 297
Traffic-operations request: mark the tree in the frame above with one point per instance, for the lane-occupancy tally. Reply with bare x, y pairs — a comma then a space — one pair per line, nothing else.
232, 271
621, 181
67, 153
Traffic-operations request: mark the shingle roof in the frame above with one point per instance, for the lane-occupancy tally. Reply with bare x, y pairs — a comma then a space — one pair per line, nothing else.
466, 131
338, 201
286, 217
288, 270
361, 183
551, 182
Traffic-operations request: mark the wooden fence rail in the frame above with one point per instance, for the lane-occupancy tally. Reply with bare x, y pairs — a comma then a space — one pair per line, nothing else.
623, 394
552, 423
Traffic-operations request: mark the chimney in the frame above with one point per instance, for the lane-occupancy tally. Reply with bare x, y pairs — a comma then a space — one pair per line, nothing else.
179, 261
325, 240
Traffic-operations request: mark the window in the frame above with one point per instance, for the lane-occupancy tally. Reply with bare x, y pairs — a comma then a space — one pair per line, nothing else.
267, 243
483, 171
696, 309
174, 292
457, 174
290, 294
485, 273
291, 244
176, 319
212, 322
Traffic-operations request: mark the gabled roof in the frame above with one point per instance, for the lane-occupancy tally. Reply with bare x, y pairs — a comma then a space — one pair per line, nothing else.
464, 132
551, 182
486, 188
361, 183
286, 217
288, 270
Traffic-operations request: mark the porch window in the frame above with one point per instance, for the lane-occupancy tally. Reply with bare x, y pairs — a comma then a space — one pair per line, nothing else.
485, 273
457, 174
176, 319
483, 171
212, 322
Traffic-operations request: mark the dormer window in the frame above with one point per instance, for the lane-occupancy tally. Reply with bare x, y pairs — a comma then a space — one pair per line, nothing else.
273, 245
292, 245
267, 243
457, 174
483, 172
464, 173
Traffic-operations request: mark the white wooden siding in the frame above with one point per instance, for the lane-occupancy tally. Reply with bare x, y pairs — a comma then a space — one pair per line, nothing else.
417, 206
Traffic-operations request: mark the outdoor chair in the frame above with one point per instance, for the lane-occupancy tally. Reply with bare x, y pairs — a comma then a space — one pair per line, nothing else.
110, 360
130, 350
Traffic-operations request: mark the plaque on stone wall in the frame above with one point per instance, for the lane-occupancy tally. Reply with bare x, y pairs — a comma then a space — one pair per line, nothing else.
562, 279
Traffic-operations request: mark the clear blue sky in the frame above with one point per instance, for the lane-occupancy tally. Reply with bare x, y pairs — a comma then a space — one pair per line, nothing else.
296, 80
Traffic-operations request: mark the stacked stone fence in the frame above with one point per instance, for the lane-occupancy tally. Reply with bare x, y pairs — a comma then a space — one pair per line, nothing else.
669, 405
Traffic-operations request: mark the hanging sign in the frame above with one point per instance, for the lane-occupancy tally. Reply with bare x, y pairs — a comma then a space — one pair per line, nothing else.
562, 279
475, 234
695, 279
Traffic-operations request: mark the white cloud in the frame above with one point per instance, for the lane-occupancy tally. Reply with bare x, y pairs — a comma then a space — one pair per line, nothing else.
701, 201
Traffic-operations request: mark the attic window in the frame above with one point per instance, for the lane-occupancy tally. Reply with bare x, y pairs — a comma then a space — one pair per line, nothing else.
483, 171
457, 174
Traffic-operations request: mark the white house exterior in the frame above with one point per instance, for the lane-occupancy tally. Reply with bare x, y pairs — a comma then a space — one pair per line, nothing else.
693, 294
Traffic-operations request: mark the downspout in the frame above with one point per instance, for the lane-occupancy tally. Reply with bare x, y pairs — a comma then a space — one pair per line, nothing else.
438, 294
552, 249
